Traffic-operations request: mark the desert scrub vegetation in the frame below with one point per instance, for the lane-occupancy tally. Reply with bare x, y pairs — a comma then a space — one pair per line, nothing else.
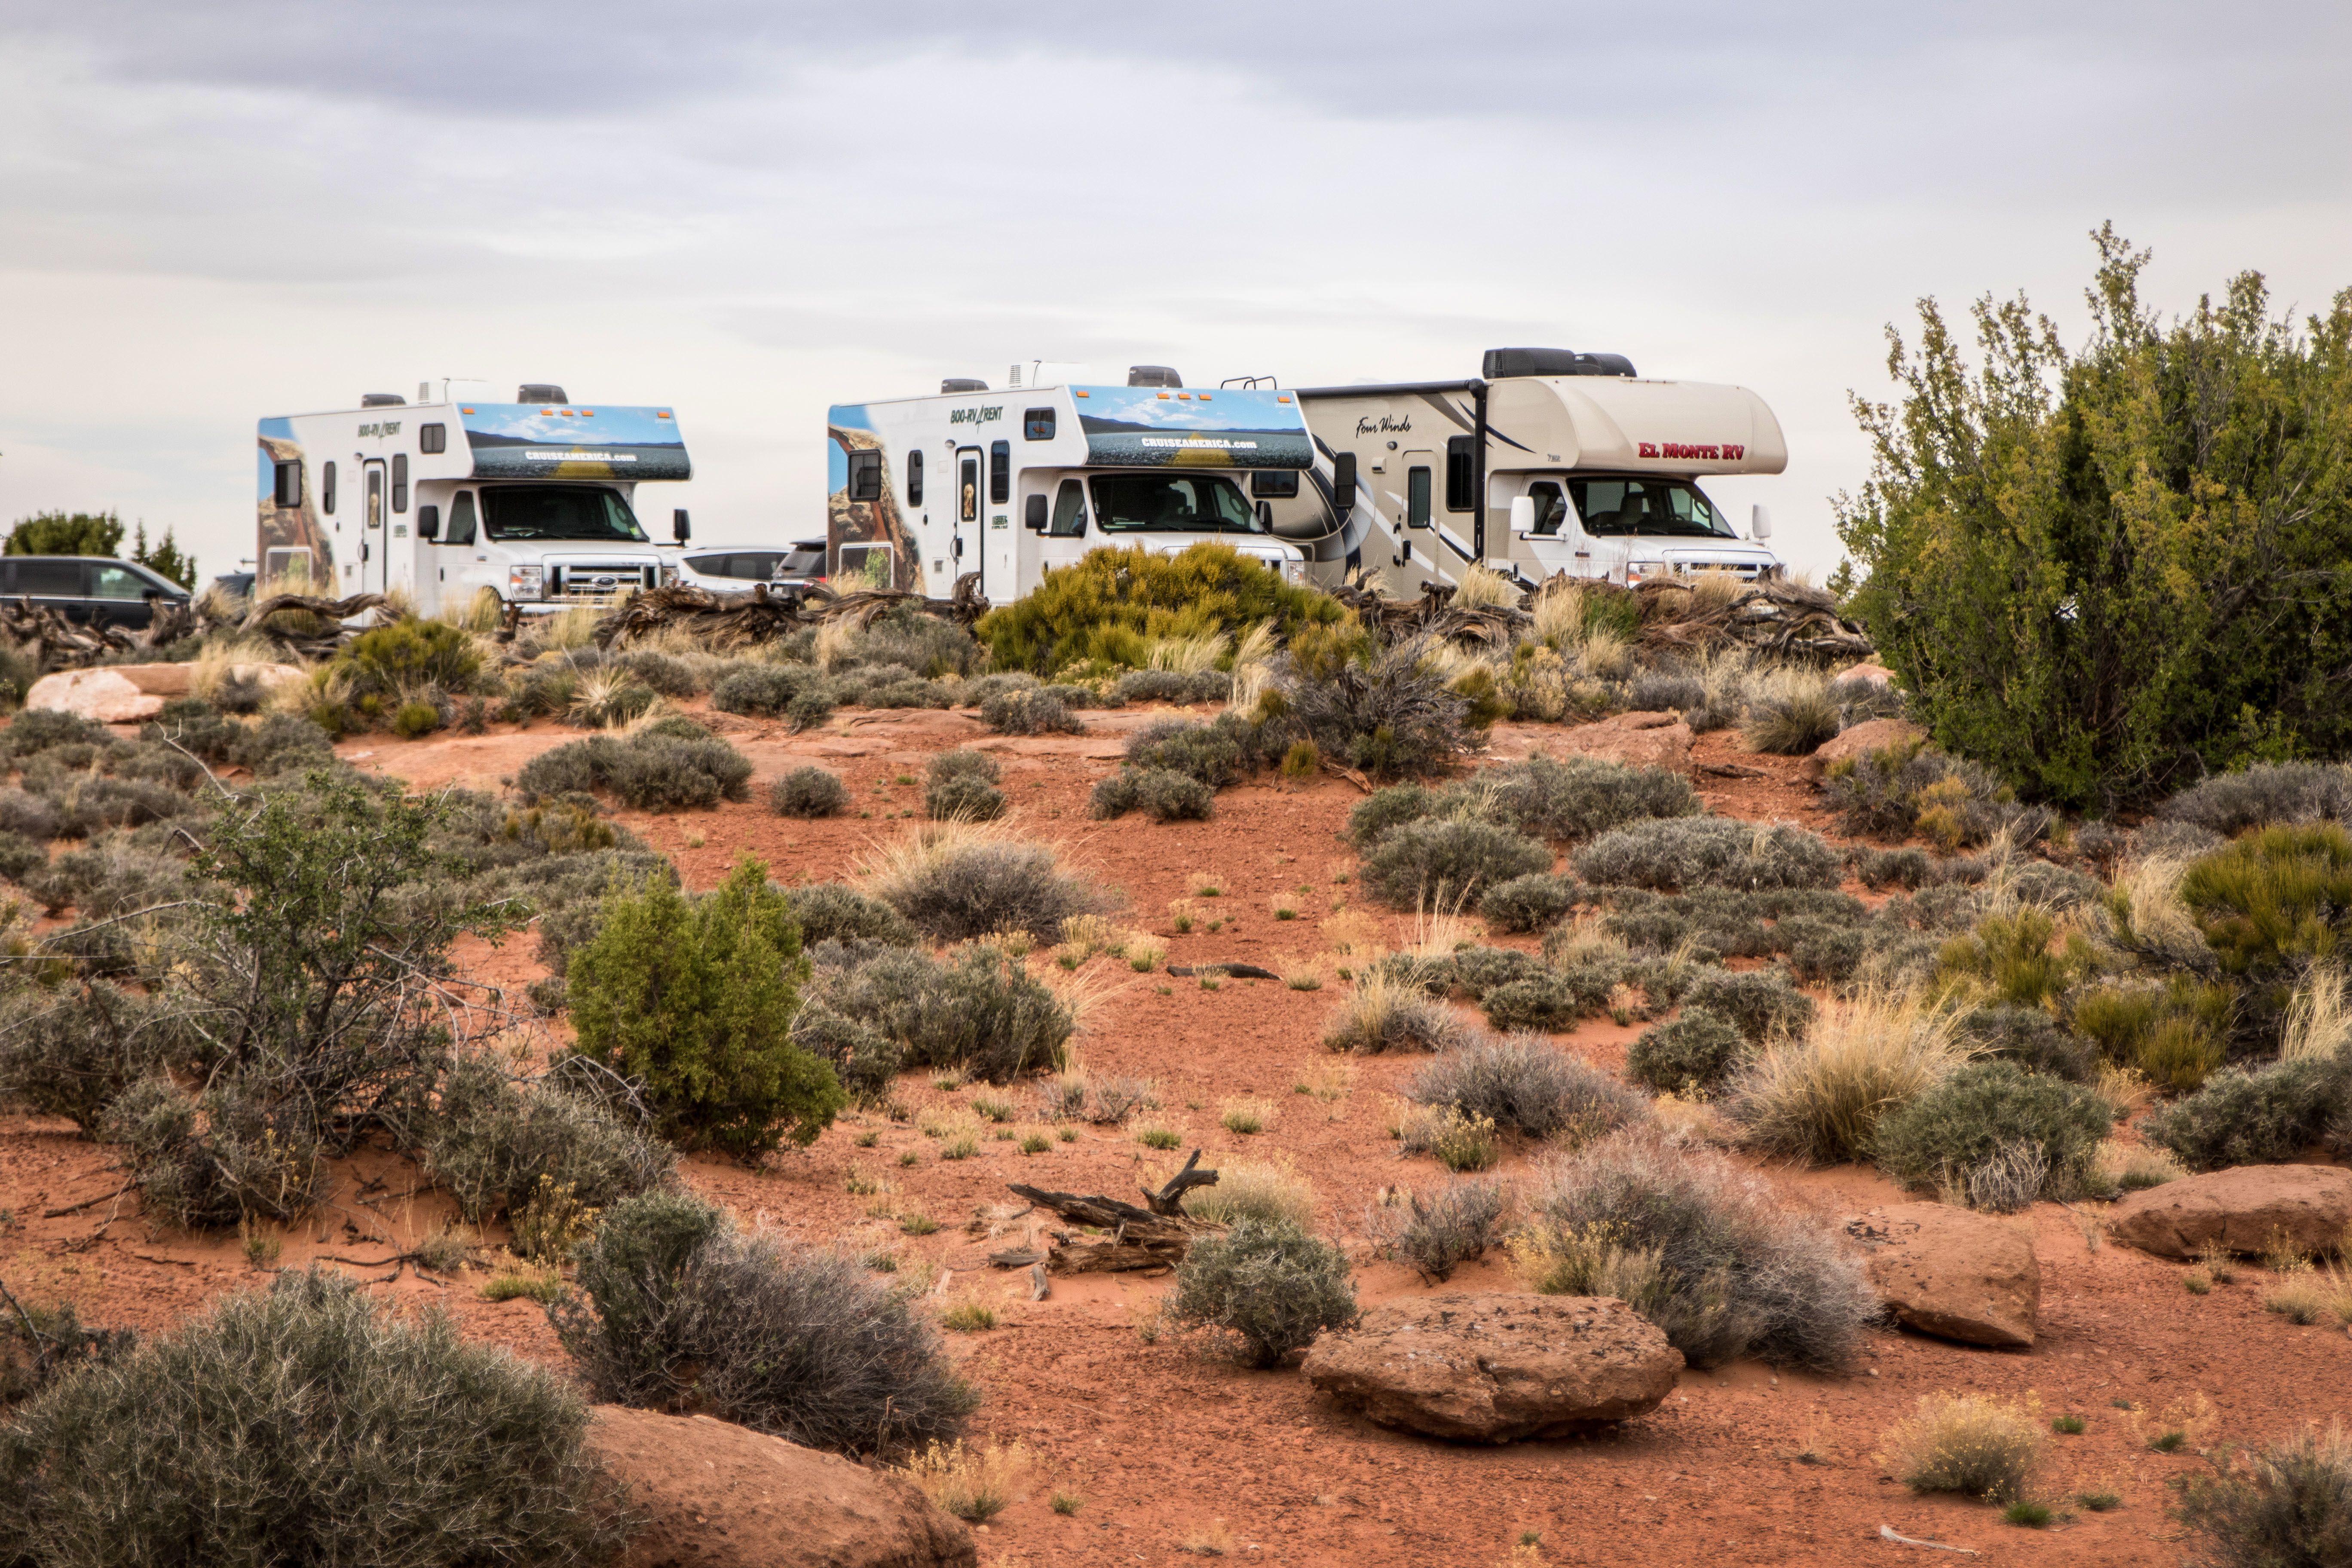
2262, 1115
1384, 1011
2286, 1505
238, 1438
1109, 610
961, 785
1528, 1085
674, 764
2264, 794
1977, 1445
1385, 711
676, 1309
1820, 1096
1035, 710
1562, 802
1267, 1288
1434, 1234
1162, 793
401, 675
881, 1011
808, 793
1674, 853
694, 996
1448, 861
1895, 791
1704, 1250
495, 1140
1996, 1136
1528, 904
954, 881
1693, 1056
837, 913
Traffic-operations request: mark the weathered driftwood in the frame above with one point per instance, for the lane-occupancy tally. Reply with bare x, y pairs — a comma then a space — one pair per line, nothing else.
1231, 970
767, 611
1151, 1237
275, 618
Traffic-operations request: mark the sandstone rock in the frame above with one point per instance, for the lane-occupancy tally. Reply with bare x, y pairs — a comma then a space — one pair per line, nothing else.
1869, 735
1876, 674
2240, 1208
127, 693
1497, 1366
1638, 740
1951, 1273
720, 1496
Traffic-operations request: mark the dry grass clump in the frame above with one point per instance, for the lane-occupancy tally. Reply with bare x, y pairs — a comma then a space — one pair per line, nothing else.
2318, 1016
2282, 1507
1525, 1083
1435, 1234
957, 881
1268, 1189
1246, 1115
1978, 1445
1819, 1097
973, 1483
1386, 1012
1457, 1140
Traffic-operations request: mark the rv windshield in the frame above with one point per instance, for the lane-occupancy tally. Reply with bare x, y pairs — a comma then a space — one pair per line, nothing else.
1171, 503
559, 511
1647, 508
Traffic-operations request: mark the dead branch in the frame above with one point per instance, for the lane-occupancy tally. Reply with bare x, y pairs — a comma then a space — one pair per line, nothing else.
1129, 1238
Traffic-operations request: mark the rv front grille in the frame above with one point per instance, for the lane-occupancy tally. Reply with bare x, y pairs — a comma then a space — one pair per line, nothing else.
588, 582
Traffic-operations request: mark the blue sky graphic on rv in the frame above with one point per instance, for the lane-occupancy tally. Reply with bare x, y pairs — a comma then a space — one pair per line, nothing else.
575, 441
266, 483
843, 416
1143, 427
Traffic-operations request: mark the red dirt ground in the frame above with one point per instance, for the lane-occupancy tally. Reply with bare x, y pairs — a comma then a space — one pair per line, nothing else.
1167, 1447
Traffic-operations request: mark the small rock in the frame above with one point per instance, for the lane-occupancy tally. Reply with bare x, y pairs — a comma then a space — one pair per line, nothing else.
127, 693
2241, 1209
1869, 735
1876, 674
1495, 1366
1951, 1273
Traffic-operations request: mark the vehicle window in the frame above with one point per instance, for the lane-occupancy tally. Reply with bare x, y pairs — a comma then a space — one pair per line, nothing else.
1000, 472
431, 438
327, 490
1069, 511
461, 520
1416, 498
870, 561
970, 503
1653, 508
1037, 425
865, 476
118, 583
1459, 480
49, 579
375, 495
803, 563
1551, 506
400, 481
915, 477
560, 512
1189, 504
288, 482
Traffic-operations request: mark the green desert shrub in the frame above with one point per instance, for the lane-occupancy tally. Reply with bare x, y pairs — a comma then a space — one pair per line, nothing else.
1034, 712
1173, 686
1525, 1083
1530, 902
656, 769
277, 744
961, 785
1902, 789
674, 1308
1693, 1056
1435, 1234
809, 792
694, 997
1446, 862
2260, 1116
1162, 793
835, 911
407, 654
42, 730
954, 887
1757, 1002
29, 816
2176, 1032
73, 1052
979, 1012
1673, 853
2032, 1039
1222, 752
1551, 999
763, 691
493, 1141
909, 638
1386, 713
2274, 898
264, 1432
1581, 798
1700, 1248
2265, 794
2288, 1505
1266, 1286
1114, 603
1997, 1134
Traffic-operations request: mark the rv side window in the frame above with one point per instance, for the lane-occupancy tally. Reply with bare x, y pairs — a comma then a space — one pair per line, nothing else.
290, 484
400, 481
1459, 481
971, 501
1274, 484
1551, 506
432, 439
865, 476
1037, 425
1416, 498
461, 518
1000, 472
871, 561
1069, 511
327, 489
915, 477
1343, 482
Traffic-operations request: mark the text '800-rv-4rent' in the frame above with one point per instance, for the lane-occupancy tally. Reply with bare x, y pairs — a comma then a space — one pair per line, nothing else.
456, 492
1003, 486
1553, 461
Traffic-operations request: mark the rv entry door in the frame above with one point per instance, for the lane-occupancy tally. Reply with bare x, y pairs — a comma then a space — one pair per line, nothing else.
374, 553
971, 532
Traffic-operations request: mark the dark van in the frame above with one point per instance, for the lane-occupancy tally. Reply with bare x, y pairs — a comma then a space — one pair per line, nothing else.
92, 589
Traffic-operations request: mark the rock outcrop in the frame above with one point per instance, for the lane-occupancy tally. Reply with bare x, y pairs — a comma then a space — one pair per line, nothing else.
128, 693
1951, 1273
1869, 735
2241, 1209
1637, 740
720, 1496
1492, 1367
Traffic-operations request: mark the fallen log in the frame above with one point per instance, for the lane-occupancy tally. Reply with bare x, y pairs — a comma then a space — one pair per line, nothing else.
1231, 970
769, 611
1129, 1238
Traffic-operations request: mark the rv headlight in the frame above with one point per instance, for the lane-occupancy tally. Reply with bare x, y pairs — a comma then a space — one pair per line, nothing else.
668, 575
526, 581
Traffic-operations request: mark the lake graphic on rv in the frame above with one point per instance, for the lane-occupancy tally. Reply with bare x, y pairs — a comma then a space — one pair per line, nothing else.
575, 442
1143, 427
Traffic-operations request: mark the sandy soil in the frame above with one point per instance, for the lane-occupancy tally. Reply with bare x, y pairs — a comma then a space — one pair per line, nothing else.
1171, 1449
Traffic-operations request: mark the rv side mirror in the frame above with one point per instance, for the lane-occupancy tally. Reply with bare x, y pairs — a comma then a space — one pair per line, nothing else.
1035, 515
428, 522
679, 527
1343, 482
1523, 514
1266, 517
1760, 525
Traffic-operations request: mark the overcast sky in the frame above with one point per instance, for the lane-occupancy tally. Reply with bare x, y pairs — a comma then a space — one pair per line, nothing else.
212, 213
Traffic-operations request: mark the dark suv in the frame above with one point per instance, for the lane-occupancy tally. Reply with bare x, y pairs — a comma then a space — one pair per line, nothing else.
94, 589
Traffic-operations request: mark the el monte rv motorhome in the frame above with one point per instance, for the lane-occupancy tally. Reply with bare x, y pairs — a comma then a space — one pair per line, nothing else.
1008, 484
1551, 462
455, 492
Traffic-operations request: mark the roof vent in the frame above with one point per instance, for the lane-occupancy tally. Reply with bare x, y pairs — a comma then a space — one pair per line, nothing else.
1153, 375
383, 400
1501, 363
540, 392
963, 384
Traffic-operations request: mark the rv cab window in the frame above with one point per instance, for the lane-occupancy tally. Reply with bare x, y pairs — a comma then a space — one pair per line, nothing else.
1172, 503
560, 512
1615, 509
1551, 506
461, 520
1069, 511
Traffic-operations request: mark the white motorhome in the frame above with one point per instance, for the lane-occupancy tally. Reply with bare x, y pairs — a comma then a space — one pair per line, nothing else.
455, 492
1010, 484
1550, 461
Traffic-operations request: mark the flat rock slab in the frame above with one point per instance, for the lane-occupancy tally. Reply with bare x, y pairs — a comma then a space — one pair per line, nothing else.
1952, 1273
720, 1496
128, 693
1495, 1366
1637, 740
1869, 735
2240, 1209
